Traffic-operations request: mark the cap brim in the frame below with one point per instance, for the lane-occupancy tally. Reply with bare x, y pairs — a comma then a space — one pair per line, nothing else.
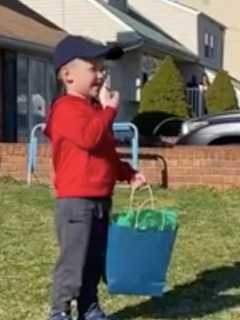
112, 53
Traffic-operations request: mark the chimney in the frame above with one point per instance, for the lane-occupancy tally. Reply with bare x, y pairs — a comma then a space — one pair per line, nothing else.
119, 4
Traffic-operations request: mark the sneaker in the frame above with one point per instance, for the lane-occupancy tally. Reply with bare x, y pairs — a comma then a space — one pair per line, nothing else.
60, 316
94, 313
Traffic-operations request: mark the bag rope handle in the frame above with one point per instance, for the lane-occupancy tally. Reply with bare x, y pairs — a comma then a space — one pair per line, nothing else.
151, 199
133, 194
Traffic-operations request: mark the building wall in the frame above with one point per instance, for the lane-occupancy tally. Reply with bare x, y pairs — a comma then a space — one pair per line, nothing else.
52, 10
185, 25
85, 17
212, 29
191, 166
171, 20
227, 12
125, 76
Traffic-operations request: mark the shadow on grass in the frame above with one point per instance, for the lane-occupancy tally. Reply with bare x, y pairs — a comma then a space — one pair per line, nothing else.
205, 295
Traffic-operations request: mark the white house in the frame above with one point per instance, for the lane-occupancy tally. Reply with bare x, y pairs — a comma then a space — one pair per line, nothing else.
112, 21
198, 32
227, 12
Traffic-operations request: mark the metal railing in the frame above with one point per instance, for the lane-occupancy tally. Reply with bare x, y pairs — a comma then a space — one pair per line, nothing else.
130, 132
32, 152
195, 98
128, 129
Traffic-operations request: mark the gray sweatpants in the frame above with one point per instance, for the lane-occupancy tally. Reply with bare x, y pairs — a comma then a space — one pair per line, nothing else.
81, 225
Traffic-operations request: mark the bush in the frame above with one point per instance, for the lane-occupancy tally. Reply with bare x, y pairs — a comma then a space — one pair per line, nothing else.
221, 95
165, 92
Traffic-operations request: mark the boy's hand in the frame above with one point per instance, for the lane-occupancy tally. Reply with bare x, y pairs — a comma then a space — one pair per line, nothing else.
109, 98
138, 181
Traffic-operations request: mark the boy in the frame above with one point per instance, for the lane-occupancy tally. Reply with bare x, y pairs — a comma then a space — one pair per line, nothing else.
86, 168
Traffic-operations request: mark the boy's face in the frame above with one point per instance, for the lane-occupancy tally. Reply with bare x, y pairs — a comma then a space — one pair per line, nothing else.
84, 77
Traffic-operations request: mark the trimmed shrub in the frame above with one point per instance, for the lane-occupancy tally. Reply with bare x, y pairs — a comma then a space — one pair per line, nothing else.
221, 95
165, 92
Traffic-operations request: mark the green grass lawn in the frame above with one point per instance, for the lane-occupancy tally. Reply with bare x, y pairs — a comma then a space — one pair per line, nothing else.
204, 276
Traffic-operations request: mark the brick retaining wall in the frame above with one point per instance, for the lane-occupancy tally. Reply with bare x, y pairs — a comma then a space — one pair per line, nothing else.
215, 166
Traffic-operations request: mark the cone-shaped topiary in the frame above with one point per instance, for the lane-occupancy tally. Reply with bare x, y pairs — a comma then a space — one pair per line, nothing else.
221, 95
165, 91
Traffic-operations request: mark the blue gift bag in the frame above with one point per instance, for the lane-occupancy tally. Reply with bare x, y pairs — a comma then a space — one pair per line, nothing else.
137, 260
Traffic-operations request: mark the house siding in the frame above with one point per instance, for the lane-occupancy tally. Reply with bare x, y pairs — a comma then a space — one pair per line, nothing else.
226, 12
179, 24
91, 19
52, 10
206, 26
84, 17
126, 78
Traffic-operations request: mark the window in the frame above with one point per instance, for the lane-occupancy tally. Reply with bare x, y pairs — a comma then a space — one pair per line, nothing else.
36, 87
212, 46
37, 92
22, 99
9, 97
51, 83
209, 45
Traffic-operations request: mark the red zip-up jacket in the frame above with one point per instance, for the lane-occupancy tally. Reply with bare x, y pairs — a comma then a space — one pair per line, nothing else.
85, 161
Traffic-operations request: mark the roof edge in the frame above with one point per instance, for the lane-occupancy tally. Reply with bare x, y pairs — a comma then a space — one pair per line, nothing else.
100, 5
212, 20
178, 53
182, 6
13, 43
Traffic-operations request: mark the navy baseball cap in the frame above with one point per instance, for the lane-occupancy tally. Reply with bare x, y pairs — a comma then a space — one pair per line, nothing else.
72, 47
